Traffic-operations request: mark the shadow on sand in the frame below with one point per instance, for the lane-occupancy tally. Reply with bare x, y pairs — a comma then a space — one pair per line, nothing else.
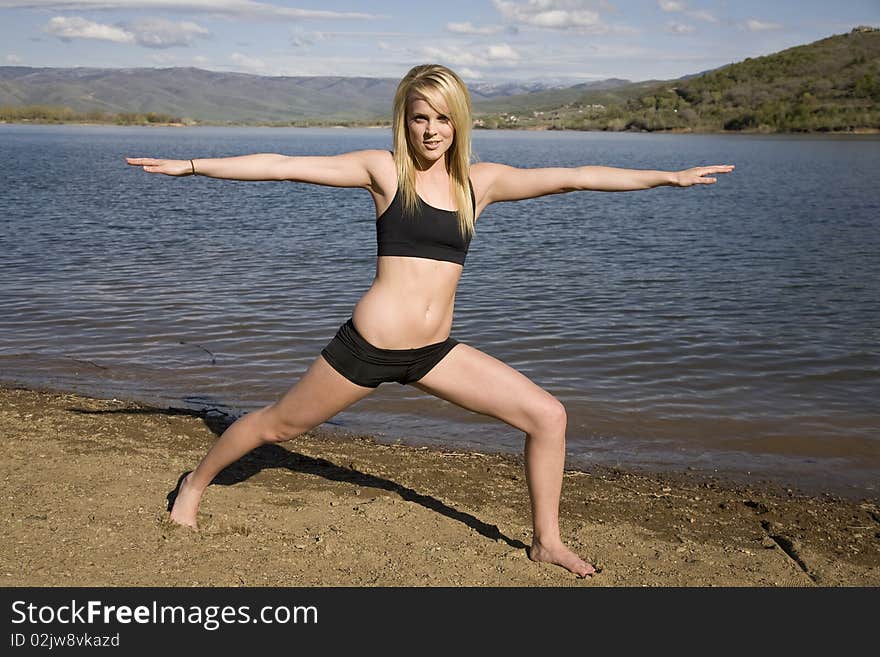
276, 456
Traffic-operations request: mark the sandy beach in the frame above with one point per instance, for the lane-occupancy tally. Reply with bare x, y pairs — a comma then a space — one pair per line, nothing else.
86, 483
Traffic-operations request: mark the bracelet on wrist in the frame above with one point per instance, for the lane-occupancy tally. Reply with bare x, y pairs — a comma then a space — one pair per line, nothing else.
192, 164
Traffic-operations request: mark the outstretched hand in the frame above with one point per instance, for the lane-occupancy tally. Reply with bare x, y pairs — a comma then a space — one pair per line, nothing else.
168, 167
701, 175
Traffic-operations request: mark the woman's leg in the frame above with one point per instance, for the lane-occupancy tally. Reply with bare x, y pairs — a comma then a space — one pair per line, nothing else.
476, 381
319, 395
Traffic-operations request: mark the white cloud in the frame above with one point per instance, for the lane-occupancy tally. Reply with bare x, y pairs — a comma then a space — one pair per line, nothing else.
470, 74
303, 39
201, 60
469, 28
455, 56
235, 8
161, 33
253, 64
77, 27
147, 32
163, 59
670, 5
552, 14
502, 52
679, 28
754, 25
677, 6
703, 15
497, 54
13, 59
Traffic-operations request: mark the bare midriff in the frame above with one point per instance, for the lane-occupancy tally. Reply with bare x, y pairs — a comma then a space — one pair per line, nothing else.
409, 304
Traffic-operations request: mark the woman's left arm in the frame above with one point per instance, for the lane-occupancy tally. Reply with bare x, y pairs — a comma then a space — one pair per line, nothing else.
505, 183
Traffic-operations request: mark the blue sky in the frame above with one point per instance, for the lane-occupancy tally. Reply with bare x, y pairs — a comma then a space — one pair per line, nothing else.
484, 40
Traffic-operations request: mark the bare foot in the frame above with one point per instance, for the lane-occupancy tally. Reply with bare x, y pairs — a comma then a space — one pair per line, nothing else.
186, 504
561, 556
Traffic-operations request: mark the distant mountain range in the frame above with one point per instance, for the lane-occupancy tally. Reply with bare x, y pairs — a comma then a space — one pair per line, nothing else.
212, 96
198, 94
832, 84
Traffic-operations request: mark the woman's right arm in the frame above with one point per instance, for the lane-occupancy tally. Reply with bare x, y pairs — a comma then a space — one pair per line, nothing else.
354, 169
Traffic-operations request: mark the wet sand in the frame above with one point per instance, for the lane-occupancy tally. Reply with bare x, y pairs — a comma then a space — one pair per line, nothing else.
86, 483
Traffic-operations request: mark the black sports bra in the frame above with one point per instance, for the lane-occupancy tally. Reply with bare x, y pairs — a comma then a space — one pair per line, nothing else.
432, 233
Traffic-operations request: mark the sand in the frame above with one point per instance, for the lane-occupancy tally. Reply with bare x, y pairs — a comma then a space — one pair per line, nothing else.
86, 481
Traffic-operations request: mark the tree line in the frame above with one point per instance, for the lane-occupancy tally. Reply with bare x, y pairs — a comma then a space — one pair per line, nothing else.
52, 114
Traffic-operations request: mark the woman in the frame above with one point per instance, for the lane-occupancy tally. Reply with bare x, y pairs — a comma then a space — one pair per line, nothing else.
428, 197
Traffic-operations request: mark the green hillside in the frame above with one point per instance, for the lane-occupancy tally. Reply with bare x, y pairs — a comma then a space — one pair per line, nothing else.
550, 98
829, 85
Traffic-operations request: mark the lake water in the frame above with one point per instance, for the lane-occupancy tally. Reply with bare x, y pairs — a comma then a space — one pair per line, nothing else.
731, 329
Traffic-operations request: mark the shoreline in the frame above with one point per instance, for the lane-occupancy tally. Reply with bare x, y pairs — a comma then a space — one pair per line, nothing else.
779, 475
87, 481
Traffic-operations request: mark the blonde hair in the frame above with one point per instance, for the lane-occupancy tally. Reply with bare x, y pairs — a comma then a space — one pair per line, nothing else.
433, 83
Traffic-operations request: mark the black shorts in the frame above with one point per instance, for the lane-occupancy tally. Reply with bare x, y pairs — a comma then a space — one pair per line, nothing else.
362, 363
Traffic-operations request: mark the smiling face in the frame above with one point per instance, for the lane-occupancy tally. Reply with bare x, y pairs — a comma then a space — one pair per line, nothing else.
429, 130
